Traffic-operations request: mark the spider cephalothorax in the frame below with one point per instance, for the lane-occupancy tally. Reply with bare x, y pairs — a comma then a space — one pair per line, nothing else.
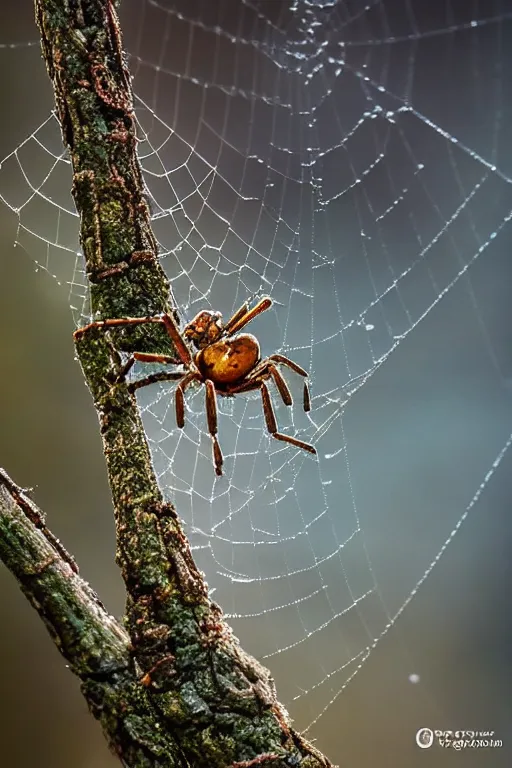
204, 328
226, 362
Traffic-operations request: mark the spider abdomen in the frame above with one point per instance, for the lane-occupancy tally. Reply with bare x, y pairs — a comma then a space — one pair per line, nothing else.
227, 361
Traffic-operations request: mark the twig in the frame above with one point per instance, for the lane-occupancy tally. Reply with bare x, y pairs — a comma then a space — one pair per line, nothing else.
88, 637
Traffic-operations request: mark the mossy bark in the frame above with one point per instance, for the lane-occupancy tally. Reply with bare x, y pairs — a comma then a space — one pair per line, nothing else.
181, 692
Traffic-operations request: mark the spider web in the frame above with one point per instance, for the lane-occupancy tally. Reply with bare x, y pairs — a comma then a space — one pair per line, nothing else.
342, 158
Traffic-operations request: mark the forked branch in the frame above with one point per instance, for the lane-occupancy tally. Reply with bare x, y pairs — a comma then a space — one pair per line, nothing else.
181, 692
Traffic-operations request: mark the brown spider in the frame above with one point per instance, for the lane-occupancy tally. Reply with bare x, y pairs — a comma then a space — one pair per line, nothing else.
226, 362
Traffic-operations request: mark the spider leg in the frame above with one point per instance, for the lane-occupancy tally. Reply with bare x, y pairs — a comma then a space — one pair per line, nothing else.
211, 417
115, 322
179, 396
177, 339
265, 369
270, 420
306, 399
148, 358
236, 317
152, 357
123, 371
281, 384
248, 385
153, 378
184, 354
289, 363
239, 319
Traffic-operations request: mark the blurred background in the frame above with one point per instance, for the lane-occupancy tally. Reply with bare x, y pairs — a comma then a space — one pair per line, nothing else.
352, 161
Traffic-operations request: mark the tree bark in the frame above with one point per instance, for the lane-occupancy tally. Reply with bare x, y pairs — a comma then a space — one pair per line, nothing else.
174, 688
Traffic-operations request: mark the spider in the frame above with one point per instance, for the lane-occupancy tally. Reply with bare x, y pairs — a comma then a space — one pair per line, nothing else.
225, 361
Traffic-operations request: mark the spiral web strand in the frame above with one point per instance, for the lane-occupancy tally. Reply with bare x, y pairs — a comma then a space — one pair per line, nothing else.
299, 155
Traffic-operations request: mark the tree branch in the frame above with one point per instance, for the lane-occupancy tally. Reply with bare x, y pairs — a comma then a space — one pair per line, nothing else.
87, 636
184, 693
96, 647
